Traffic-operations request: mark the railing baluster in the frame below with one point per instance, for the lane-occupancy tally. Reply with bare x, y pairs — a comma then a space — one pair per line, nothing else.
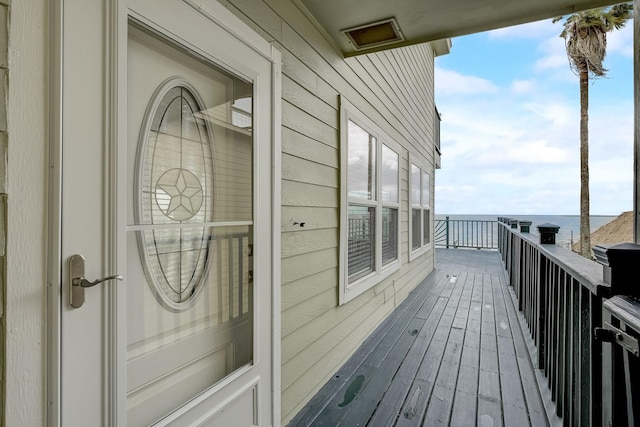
561, 305
460, 233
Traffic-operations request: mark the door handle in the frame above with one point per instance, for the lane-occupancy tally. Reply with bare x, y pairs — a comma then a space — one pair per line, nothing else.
77, 281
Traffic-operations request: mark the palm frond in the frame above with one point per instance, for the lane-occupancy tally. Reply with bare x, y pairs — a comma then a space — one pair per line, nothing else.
585, 35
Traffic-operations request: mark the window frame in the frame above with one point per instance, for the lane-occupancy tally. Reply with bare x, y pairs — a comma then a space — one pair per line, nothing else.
349, 291
423, 206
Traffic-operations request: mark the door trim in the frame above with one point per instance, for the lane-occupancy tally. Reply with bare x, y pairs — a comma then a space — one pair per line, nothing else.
116, 17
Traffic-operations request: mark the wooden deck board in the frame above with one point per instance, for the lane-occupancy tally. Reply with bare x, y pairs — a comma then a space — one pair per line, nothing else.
451, 354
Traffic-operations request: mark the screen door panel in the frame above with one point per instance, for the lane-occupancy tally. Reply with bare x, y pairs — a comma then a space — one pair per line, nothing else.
190, 226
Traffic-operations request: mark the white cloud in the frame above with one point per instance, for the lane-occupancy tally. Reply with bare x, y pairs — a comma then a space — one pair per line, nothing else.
554, 54
450, 82
533, 30
522, 86
537, 152
558, 114
621, 41
511, 145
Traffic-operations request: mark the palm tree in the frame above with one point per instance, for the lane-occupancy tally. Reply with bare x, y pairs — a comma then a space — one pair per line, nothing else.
585, 35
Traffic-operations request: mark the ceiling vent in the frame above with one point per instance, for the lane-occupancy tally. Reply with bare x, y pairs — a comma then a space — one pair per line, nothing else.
379, 33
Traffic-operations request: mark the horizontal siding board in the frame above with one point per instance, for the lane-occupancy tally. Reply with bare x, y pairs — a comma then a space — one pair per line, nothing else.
340, 75
294, 293
299, 145
327, 340
416, 88
304, 242
261, 17
302, 194
304, 170
306, 76
305, 100
301, 390
301, 121
377, 71
299, 267
313, 218
367, 71
302, 337
305, 43
303, 313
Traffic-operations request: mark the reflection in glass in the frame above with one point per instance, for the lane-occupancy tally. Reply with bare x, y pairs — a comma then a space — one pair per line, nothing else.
389, 175
425, 189
426, 226
361, 241
389, 235
361, 163
415, 228
415, 185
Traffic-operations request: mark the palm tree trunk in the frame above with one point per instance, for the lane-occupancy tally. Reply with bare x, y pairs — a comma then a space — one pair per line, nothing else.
585, 227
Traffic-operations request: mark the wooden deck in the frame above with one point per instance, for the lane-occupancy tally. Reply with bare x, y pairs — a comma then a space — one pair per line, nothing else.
452, 354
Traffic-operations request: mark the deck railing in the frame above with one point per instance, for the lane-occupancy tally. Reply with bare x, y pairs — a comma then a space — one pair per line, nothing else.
584, 318
463, 233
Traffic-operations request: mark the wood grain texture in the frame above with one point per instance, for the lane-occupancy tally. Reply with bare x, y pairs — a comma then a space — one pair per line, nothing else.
450, 360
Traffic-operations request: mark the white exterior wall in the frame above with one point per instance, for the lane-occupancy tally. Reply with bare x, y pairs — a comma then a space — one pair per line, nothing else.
26, 216
395, 90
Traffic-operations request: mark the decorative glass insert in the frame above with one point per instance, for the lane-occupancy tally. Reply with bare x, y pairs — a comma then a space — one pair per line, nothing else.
175, 182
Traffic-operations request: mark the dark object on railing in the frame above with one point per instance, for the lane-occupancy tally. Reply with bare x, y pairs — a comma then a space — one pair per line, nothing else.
525, 226
620, 267
621, 389
548, 233
513, 223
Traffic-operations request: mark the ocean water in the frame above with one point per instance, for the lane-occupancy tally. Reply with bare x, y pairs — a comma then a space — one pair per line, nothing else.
569, 224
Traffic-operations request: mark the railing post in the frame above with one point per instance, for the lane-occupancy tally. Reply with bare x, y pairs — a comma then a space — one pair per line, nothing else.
617, 364
548, 233
447, 230
525, 226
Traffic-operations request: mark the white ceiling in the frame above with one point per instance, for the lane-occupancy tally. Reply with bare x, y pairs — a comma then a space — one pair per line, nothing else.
429, 20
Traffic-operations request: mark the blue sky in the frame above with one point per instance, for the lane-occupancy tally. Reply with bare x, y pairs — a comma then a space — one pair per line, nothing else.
510, 125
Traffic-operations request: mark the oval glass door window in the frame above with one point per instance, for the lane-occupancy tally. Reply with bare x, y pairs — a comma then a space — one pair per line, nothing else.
175, 185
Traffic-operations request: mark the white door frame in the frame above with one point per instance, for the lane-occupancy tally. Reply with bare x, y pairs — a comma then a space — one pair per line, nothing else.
117, 13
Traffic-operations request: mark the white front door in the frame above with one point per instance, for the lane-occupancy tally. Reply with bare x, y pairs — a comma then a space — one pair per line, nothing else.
167, 144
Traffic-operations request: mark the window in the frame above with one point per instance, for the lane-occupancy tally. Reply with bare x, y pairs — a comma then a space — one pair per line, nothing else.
370, 217
420, 218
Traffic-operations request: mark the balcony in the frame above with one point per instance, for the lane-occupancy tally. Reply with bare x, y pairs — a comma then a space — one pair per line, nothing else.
529, 335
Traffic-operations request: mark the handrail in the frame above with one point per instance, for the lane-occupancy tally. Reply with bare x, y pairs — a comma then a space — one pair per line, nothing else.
560, 295
466, 233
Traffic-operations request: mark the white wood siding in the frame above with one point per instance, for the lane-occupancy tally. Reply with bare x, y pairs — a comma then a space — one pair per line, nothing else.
395, 90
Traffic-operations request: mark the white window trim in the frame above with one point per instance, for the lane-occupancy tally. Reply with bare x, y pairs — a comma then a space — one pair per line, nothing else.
349, 291
424, 248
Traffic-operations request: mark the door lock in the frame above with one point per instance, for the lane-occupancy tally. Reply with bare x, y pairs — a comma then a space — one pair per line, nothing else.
77, 281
